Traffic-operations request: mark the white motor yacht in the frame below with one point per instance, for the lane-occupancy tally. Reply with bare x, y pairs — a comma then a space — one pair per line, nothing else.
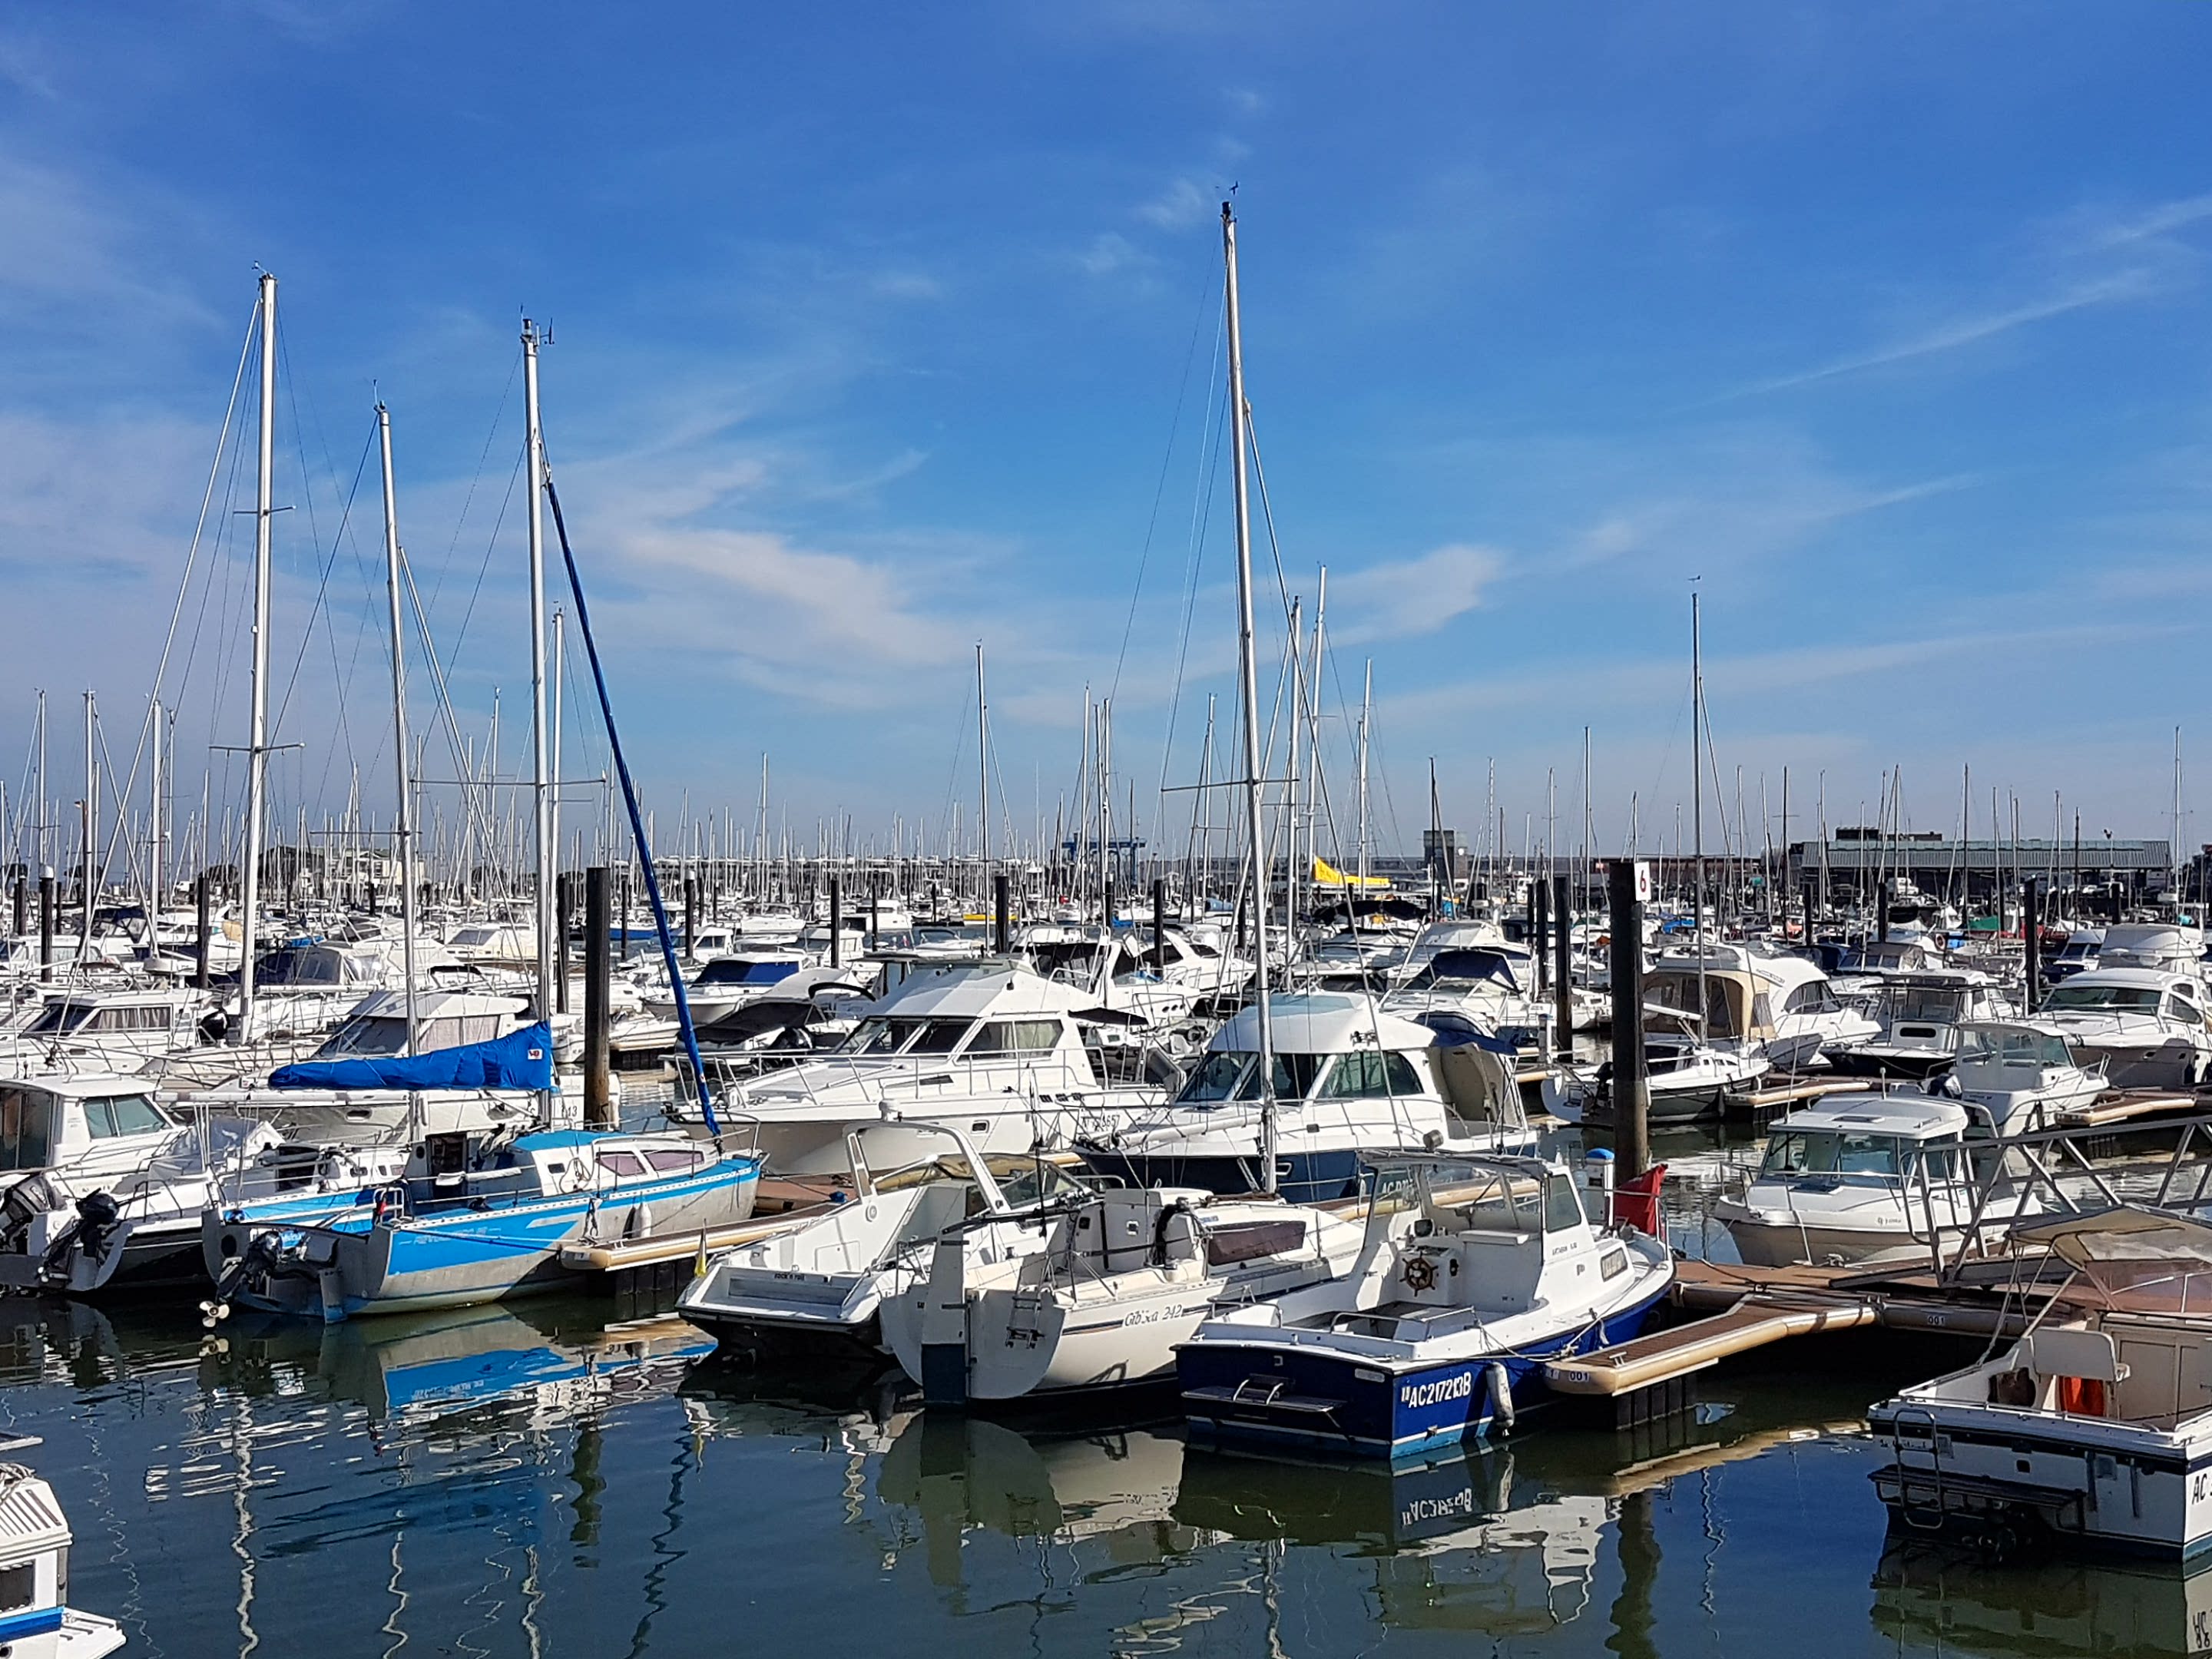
989, 1047
2094, 1428
821, 1283
1876, 1177
2146, 1026
1349, 1079
2022, 1074
1920, 1015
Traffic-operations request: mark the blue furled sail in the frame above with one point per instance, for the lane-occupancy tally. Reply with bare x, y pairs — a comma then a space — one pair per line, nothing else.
521, 1060
684, 1025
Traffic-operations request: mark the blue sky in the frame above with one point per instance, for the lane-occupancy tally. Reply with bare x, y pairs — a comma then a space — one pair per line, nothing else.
880, 330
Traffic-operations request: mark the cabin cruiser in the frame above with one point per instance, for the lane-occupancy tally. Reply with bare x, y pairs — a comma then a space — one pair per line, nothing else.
1862, 969
2095, 1427
2022, 1074
1350, 1079
1496, 986
1781, 1004
772, 1034
989, 1047
728, 984
1876, 1177
36, 1621
1499, 1272
2160, 946
113, 1031
2077, 955
1123, 1276
2146, 1027
472, 1220
1920, 1015
822, 1282
87, 1128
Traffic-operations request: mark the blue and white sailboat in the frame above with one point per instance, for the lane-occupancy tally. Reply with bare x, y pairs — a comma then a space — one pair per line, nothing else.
1497, 1271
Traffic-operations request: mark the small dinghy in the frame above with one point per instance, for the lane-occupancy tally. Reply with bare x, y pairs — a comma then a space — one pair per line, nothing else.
1478, 1271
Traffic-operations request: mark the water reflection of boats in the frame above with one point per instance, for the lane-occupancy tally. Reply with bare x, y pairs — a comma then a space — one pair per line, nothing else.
428, 1363
2044, 1609
1460, 1543
1115, 1492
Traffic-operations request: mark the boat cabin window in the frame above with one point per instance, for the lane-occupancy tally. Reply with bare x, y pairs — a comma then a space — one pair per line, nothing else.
2013, 1045
1294, 1077
880, 1036
1678, 990
1500, 1204
1562, 1207
1830, 1151
1941, 1005
18, 1586
2178, 1005
26, 1129
1215, 1079
1363, 1076
58, 1017
1813, 997
621, 1164
729, 971
671, 1160
108, 1116
1014, 1036
2111, 998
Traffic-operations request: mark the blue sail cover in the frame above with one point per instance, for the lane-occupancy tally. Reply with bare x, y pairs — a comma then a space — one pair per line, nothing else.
521, 1060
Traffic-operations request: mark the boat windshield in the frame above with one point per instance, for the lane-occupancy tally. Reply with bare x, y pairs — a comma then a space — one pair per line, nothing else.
881, 1035
731, 971
1227, 1073
2012, 1045
2110, 999
1830, 1151
56, 1018
1941, 1005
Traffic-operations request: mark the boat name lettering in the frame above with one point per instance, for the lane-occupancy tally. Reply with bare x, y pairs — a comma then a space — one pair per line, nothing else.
1152, 1315
1413, 1395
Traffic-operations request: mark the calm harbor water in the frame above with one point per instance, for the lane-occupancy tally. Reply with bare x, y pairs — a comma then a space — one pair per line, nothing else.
525, 1481
545, 1478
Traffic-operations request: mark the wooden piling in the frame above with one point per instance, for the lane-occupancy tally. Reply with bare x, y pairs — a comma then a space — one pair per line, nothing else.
2031, 926
1002, 912
837, 921
1563, 982
1160, 927
599, 976
1631, 1102
203, 902
46, 900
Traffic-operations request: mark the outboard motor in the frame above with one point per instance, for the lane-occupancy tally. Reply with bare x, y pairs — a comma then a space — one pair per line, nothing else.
36, 1194
96, 1216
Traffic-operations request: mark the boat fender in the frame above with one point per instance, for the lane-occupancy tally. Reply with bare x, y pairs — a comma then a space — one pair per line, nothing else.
1501, 1394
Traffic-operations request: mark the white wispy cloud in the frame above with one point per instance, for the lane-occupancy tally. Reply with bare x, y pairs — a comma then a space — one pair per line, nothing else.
1403, 597
1181, 203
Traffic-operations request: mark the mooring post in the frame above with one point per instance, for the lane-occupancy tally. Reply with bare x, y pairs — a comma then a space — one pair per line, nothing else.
690, 919
22, 906
1563, 982
1632, 1103
1160, 927
1002, 912
1539, 936
46, 900
2031, 933
837, 919
1881, 892
202, 903
598, 976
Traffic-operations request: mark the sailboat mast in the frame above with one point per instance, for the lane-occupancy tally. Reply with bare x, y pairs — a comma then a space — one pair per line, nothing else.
1248, 682
257, 750
541, 778
403, 816
154, 840
1366, 710
1697, 798
982, 780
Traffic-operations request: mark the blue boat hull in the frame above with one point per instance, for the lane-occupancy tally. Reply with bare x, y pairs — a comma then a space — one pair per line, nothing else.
1352, 1405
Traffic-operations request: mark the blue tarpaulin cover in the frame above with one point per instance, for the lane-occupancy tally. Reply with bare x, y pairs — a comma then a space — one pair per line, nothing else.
521, 1060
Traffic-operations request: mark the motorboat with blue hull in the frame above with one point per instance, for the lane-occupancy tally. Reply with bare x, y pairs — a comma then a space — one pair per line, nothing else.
1350, 1080
1498, 1271
476, 1226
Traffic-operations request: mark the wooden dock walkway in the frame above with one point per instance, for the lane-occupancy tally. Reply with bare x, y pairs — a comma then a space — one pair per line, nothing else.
1744, 1308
